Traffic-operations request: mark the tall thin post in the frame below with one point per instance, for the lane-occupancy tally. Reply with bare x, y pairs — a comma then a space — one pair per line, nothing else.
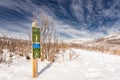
35, 48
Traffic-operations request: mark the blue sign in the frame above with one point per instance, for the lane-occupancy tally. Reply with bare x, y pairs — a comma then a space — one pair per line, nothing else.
36, 45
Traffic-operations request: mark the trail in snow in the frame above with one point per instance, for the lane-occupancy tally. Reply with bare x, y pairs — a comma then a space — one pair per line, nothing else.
86, 66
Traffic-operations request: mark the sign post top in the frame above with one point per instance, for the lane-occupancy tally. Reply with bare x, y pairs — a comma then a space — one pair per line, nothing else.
34, 24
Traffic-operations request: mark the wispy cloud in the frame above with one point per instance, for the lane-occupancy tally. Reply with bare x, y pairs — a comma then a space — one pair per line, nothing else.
75, 19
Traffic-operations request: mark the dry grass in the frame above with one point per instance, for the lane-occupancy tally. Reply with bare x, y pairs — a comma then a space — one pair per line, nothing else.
15, 45
103, 49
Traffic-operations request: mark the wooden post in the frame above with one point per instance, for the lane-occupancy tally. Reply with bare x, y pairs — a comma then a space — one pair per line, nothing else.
34, 68
35, 48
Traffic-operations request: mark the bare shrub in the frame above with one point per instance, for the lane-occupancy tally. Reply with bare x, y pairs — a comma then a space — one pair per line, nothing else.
49, 38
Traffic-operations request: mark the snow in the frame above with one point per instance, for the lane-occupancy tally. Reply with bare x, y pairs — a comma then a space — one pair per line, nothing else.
6, 56
77, 41
113, 36
84, 65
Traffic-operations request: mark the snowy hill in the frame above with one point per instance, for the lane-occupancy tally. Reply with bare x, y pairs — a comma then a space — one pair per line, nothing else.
109, 43
77, 41
107, 38
112, 41
84, 65
113, 38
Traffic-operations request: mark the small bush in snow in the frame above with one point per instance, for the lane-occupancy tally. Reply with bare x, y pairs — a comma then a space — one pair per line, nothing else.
6, 56
28, 57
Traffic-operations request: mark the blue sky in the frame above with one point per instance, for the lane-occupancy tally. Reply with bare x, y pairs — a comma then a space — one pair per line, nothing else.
75, 19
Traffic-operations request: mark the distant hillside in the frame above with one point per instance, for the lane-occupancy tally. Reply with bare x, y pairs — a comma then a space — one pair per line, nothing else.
110, 44
111, 41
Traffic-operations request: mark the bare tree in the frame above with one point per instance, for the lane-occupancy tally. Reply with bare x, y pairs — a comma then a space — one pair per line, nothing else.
48, 38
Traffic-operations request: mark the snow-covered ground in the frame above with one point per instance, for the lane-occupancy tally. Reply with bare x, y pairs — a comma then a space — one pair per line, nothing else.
84, 65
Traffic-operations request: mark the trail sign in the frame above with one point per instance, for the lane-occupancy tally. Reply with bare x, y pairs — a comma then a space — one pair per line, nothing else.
35, 48
36, 42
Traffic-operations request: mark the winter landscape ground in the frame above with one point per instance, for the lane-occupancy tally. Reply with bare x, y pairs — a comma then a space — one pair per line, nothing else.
83, 65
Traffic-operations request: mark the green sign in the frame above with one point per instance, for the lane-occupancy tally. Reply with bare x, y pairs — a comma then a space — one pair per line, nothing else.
35, 34
36, 42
